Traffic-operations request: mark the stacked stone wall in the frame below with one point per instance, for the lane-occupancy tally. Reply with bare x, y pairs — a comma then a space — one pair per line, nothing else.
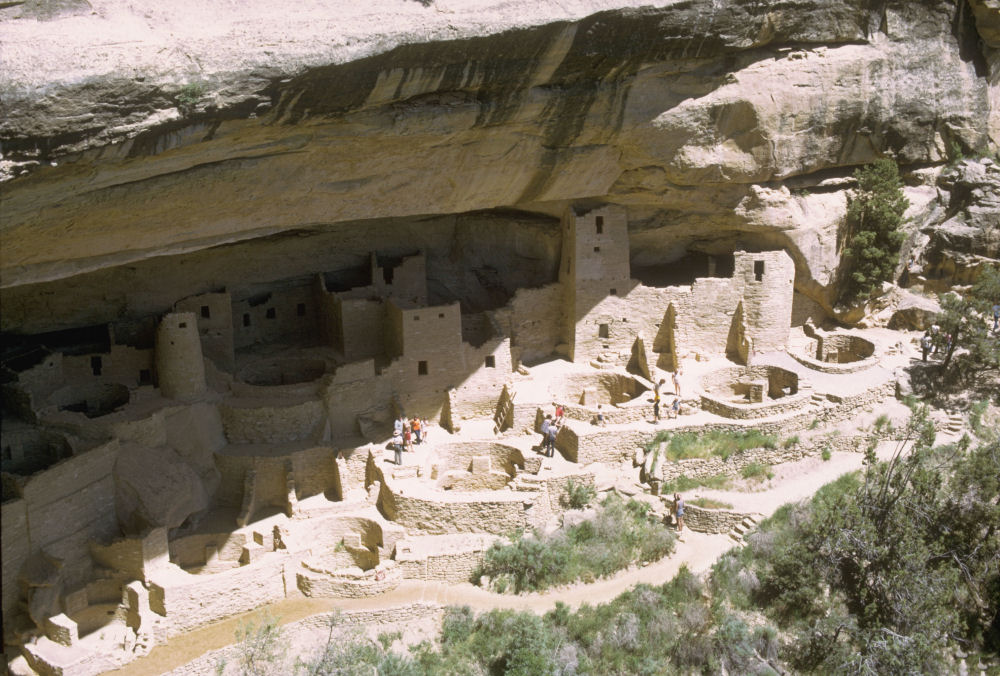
250, 423
188, 601
497, 512
704, 520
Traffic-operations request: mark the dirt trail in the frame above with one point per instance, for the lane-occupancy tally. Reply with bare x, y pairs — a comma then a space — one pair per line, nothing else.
698, 551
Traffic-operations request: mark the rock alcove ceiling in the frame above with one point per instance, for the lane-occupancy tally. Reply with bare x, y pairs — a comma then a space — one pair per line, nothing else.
718, 127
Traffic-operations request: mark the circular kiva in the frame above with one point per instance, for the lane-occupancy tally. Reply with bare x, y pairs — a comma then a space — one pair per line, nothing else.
752, 392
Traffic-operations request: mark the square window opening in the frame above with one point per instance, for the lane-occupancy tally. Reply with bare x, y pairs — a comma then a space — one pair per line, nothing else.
440, 315
491, 362
758, 270
421, 368
613, 292
145, 377
416, 318
300, 309
597, 249
182, 325
271, 313
206, 312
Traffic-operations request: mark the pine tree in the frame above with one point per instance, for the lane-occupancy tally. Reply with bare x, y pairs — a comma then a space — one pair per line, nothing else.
874, 214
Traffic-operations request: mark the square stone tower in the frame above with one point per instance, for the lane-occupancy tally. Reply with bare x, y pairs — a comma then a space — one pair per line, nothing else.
594, 270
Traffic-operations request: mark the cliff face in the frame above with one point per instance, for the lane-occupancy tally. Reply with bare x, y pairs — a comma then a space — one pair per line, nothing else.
720, 125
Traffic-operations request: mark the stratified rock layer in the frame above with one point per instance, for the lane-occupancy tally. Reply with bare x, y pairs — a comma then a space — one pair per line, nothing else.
719, 125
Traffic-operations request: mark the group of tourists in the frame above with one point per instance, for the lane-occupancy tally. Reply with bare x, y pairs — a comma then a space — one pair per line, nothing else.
550, 430
675, 406
406, 433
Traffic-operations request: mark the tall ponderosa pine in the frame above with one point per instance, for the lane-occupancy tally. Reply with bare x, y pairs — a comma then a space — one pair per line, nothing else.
874, 214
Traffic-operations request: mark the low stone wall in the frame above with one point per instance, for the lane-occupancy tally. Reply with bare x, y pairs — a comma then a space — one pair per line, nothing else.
347, 583
862, 348
702, 520
189, 601
766, 409
497, 512
706, 467
444, 558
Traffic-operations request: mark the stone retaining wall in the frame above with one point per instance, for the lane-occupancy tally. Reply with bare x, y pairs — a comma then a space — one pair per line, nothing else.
702, 520
445, 558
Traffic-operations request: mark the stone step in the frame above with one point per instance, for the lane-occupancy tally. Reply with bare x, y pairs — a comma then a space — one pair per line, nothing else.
736, 538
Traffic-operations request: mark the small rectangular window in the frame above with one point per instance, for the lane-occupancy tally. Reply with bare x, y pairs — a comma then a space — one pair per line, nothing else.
300, 309
271, 313
613, 292
145, 377
491, 362
758, 270
602, 331
599, 221
182, 325
246, 319
421, 368
440, 315
597, 249
95, 365
206, 312
416, 318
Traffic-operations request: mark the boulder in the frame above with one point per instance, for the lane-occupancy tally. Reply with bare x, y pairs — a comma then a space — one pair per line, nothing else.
155, 488
913, 312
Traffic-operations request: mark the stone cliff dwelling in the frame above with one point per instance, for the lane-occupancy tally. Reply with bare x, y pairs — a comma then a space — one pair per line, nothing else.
234, 447
237, 246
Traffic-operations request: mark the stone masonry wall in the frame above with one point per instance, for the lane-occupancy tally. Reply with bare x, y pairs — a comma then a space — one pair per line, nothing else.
704, 520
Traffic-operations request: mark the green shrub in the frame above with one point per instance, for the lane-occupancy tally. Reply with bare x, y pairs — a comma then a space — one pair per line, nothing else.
189, 95
825, 453
261, 648
790, 441
621, 534
709, 503
757, 470
578, 494
719, 443
686, 483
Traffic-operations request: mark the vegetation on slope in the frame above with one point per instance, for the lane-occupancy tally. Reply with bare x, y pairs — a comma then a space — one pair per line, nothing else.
620, 534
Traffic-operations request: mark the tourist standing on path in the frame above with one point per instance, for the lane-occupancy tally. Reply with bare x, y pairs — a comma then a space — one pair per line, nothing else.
599, 419
925, 346
397, 447
677, 381
415, 425
559, 413
675, 408
656, 398
996, 316
397, 426
550, 446
679, 511
425, 427
546, 424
